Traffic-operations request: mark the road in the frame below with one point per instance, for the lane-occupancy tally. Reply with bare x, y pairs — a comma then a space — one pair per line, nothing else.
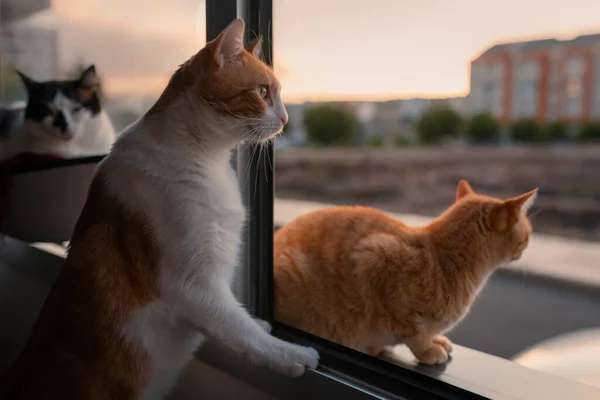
513, 312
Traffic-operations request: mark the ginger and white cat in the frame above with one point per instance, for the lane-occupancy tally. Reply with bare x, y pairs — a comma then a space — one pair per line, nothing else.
62, 118
148, 275
360, 278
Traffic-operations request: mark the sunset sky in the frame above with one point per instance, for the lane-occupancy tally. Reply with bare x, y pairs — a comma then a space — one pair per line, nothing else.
324, 49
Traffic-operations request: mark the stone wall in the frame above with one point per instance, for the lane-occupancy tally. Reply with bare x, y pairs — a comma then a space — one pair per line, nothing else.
423, 181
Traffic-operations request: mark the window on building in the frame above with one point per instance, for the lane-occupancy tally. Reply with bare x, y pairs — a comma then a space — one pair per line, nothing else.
574, 87
575, 66
573, 108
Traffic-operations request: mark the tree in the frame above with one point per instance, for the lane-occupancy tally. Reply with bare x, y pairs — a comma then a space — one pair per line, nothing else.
403, 141
437, 123
526, 131
557, 131
327, 125
590, 132
375, 141
483, 128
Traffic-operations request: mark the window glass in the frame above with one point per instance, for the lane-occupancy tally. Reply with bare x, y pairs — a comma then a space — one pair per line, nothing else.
135, 46
391, 105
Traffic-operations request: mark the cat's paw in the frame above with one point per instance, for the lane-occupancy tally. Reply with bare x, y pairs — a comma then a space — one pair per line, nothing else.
436, 354
264, 325
444, 342
292, 360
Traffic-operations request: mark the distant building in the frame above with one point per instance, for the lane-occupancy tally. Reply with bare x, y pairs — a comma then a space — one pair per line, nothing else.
545, 79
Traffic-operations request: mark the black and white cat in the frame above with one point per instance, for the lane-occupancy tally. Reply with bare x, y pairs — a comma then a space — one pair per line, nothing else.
62, 118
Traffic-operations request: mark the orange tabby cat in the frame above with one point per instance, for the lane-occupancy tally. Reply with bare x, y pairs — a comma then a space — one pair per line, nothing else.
358, 277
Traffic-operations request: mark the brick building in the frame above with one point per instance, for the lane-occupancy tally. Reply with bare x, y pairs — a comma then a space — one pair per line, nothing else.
545, 79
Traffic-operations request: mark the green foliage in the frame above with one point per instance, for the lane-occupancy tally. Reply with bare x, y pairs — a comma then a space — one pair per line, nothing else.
438, 123
556, 131
590, 132
527, 131
403, 141
483, 128
327, 125
375, 141
12, 86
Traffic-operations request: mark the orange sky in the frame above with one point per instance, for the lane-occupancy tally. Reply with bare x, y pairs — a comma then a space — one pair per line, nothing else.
324, 49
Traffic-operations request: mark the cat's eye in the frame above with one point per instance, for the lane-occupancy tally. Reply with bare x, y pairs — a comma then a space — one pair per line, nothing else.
262, 91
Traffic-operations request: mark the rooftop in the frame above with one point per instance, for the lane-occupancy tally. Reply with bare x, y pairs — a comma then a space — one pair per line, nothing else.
541, 44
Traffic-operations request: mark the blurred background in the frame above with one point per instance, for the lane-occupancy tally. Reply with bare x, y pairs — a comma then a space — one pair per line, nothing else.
391, 103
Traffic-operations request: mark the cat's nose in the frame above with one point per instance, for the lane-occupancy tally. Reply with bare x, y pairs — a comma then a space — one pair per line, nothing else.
60, 122
284, 119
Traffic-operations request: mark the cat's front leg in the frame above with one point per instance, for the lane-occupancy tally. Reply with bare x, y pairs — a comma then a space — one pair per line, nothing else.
222, 318
444, 342
430, 349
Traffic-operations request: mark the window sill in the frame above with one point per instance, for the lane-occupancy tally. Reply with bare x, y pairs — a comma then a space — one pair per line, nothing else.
479, 373
314, 384
495, 377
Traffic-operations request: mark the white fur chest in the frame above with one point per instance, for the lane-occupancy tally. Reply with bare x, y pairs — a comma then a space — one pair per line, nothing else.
209, 227
196, 214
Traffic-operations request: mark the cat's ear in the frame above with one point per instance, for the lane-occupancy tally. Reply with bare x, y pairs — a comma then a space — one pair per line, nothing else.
27, 81
523, 202
463, 189
88, 77
229, 43
255, 47
509, 212
88, 81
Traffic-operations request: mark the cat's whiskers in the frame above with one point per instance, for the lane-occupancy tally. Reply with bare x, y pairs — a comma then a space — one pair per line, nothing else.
252, 154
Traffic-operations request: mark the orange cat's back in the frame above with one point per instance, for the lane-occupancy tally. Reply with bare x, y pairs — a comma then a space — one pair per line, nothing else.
300, 290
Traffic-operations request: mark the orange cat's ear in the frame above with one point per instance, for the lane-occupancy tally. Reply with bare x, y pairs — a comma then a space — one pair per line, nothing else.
523, 202
463, 189
229, 43
509, 212
255, 47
